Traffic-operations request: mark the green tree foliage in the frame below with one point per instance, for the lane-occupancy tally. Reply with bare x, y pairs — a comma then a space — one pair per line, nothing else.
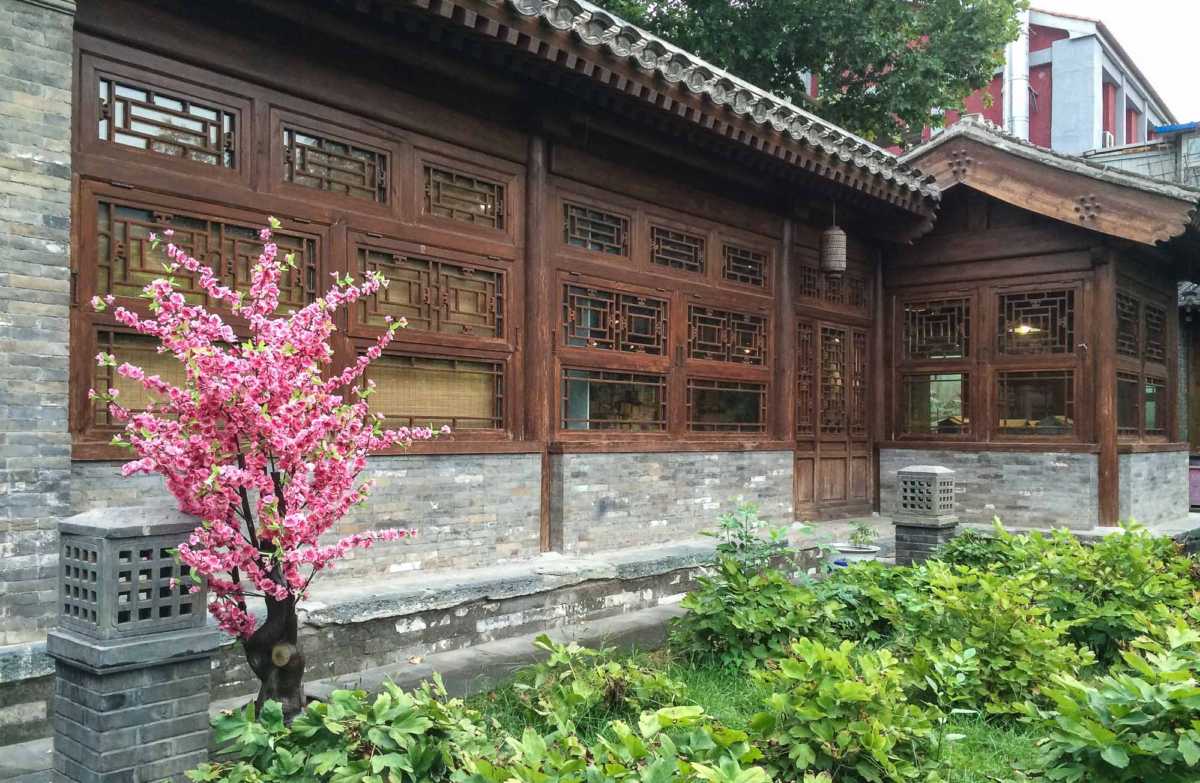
883, 66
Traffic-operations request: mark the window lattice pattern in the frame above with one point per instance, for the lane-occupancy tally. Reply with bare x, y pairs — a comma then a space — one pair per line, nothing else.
842, 290
614, 321
604, 400
418, 391
1128, 318
1156, 334
808, 284
858, 385
676, 249
744, 265
126, 262
80, 581
833, 380
595, 230
726, 406
145, 118
1037, 322
145, 598
726, 336
435, 296
465, 197
937, 329
856, 291
833, 289
1155, 406
333, 165
806, 368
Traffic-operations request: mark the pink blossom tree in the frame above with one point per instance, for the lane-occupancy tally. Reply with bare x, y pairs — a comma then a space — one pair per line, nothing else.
259, 443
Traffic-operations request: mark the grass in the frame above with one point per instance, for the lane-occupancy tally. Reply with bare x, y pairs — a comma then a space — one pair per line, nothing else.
987, 752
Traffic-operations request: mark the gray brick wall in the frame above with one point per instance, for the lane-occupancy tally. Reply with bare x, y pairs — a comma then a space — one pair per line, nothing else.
606, 501
1039, 489
1154, 487
469, 510
35, 198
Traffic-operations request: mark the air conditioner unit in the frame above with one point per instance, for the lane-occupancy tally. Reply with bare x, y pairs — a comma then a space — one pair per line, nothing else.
1108, 139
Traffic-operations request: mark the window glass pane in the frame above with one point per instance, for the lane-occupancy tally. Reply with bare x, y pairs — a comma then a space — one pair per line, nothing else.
1128, 387
936, 404
601, 400
419, 392
1036, 403
1156, 412
726, 406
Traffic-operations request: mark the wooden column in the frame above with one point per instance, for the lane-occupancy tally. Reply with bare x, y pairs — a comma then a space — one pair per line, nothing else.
535, 343
1104, 351
879, 372
784, 381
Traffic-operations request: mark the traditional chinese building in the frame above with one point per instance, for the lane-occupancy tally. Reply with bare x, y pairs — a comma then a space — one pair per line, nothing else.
622, 283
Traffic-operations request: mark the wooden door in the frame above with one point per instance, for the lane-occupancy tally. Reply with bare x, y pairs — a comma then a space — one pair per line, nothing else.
834, 470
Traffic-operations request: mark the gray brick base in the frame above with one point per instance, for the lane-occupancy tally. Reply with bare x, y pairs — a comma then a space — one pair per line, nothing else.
915, 543
1154, 487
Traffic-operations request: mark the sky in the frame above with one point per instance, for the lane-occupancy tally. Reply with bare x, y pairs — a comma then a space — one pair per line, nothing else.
1160, 35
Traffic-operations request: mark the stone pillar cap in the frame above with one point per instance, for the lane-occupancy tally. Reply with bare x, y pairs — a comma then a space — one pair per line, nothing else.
129, 522
927, 469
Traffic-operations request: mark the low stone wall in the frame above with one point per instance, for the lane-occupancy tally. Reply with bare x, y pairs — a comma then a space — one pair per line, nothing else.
1154, 487
609, 501
1024, 489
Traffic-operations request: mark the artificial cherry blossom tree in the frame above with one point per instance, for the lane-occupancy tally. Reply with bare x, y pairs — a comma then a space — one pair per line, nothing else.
262, 442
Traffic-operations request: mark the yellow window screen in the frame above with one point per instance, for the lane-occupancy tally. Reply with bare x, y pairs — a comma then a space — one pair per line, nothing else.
420, 392
139, 350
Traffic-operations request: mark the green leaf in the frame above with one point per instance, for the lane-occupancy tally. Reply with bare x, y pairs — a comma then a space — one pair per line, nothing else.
1116, 756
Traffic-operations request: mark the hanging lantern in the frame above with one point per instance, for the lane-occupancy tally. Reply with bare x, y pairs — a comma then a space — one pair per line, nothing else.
833, 249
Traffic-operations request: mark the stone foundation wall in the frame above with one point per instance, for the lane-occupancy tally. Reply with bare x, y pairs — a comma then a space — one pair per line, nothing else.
1154, 487
607, 501
1039, 489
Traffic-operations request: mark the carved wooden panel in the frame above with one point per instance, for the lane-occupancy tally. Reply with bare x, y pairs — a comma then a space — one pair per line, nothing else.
614, 321
833, 380
676, 249
832, 481
464, 197
1128, 323
324, 163
595, 230
1036, 322
806, 378
166, 123
860, 470
126, 262
858, 384
937, 329
726, 336
745, 265
432, 294
805, 469
1155, 347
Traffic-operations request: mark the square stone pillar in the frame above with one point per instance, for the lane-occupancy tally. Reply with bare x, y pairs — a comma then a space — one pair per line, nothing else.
925, 517
132, 651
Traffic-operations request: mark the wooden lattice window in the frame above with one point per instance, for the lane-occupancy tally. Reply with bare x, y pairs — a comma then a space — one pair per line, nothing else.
935, 404
1036, 402
806, 376
465, 197
745, 265
1129, 404
139, 350
676, 249
1154, 406
833, 380
432, 294
858, 385
595, 230
418, 391
1155, 347
937, 329
607, 400
1128, 322
126, 262
726, 336
833, 289
614, 321
1036, 322
808, 284
726, 406
166, 123
856, 291
335, 165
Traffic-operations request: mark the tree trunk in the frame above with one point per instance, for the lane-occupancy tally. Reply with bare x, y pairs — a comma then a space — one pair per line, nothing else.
274, 654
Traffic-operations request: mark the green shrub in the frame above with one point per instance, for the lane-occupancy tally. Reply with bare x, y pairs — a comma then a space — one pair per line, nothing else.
975, 549
580, 686
743, 536
740, 615
860, 600
982, 638
843, 711
672, 744
397, 737
1141, 722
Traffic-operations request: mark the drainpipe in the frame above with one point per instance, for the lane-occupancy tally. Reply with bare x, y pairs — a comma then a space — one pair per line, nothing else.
1016, 82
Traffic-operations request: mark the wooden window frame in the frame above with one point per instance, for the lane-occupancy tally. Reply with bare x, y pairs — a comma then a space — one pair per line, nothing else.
735, 428
568, 435
1143, 368
426, 153
969, 365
